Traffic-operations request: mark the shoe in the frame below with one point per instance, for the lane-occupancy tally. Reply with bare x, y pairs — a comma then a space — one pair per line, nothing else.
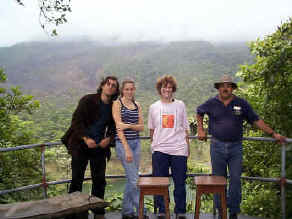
99, 216
128, 216
161, 216
131, 216
181, 216
233, 216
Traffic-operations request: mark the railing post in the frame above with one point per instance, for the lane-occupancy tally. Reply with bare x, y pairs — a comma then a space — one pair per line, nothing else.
44, 181
283, 181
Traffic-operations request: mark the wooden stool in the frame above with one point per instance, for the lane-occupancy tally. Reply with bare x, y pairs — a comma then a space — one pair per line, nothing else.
210, 184
153, 186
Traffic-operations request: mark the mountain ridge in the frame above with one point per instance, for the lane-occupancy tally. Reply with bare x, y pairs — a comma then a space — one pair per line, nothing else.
54, 68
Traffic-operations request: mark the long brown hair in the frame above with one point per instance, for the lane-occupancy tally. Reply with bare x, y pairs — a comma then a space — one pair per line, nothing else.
127, 81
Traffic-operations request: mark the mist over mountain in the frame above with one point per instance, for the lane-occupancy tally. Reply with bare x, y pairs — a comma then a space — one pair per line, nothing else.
54, 68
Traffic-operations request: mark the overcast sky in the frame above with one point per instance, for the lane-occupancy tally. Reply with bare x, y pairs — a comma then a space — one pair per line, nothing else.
146, 20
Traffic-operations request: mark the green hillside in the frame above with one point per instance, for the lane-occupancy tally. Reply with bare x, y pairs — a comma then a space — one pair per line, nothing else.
58, 68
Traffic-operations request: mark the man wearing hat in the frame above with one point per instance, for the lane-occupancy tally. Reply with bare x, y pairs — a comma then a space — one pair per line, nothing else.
226, 114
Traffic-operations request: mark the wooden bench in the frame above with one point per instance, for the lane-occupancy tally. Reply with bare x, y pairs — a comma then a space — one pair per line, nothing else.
211, 184
154, 186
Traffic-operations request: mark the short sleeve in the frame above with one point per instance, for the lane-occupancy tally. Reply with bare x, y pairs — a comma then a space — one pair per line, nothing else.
185, 117
251, 116
150, 118
203, 109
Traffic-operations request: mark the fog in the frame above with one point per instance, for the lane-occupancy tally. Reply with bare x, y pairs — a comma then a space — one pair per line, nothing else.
159, 20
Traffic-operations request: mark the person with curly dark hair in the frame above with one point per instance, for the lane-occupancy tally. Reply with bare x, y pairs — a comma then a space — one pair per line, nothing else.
169, 131
88, 138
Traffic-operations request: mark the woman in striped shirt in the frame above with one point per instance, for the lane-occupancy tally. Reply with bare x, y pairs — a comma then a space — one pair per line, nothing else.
128, 117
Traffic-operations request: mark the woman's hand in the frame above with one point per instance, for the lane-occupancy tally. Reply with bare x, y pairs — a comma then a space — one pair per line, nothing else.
129, 155
122, 126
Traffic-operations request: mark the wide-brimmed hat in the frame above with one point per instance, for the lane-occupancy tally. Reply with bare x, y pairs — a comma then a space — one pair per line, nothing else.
225, 79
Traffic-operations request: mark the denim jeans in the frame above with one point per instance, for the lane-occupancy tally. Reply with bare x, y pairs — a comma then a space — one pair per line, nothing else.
131, 192
178, 164
228, 155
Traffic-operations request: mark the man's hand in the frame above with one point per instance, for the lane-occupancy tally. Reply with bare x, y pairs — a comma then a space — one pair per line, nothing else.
280, 139
104, 142
90, 142
202, 135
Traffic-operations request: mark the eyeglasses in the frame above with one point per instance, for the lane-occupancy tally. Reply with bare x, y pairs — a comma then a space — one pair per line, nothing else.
112, 85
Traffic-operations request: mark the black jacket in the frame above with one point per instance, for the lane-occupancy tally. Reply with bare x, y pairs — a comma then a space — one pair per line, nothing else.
86, 113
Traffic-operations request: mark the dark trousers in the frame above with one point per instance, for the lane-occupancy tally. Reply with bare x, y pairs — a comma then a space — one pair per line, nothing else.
161, 163
79, 162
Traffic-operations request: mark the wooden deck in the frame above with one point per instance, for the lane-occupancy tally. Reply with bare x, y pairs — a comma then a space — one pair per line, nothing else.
117, 215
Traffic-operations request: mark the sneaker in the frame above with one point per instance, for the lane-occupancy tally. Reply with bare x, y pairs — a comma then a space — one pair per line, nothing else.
233, 216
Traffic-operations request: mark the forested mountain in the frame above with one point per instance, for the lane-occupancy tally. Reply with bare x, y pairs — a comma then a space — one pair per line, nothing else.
54, 68
59, 73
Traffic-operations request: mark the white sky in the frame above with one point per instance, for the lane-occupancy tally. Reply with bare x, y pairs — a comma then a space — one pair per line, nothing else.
212, 20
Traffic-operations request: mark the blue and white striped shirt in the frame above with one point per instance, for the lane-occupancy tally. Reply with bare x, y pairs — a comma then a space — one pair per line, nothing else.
129, 116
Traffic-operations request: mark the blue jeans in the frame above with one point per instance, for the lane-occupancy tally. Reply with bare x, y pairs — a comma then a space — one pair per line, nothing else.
131, 193
228, 155
178, 164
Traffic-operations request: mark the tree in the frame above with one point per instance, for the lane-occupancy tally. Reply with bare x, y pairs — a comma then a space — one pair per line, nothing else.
52, 12
16, 168
268, 87
270, 78
12, 102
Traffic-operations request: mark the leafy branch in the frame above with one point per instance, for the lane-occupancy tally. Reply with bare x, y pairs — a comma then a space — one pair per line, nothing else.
52, 12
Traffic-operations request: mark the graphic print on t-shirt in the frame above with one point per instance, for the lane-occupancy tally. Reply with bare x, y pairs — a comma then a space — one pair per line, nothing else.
167, 121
